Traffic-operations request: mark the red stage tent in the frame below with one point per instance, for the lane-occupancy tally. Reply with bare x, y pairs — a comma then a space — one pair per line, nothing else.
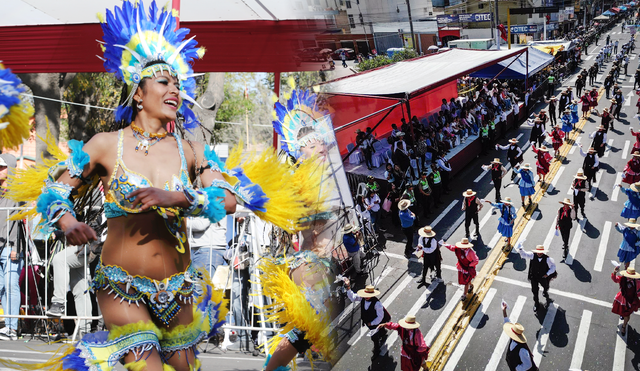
363, 99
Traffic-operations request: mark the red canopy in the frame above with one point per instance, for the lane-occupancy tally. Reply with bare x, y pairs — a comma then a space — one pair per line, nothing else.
232, 46
617, 10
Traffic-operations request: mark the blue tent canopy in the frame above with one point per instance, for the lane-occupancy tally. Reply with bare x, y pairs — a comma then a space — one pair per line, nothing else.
518, 69
609, 13
623, 8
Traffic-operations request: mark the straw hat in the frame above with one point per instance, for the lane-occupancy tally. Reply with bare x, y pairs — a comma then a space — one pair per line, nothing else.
400, 134
526, 166
543, 111
515, 331
368, 292
349, 228
635, 187
567, 111
513, 140
496, 161
580, 175
426, 232
566, 201
632, 223
591, 150
404, 204
613, 100
464, 244
601, 127
468, 193
636, 153
606, 109
543, 149
540, 249
507, 200
553, 98
630, 273
538, 119
409, 322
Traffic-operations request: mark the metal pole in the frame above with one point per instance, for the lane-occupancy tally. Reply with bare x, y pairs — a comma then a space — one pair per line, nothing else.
413, 39
544, 28
496, 22
509, 29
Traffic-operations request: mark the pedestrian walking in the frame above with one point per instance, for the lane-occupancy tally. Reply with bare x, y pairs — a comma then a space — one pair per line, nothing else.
626, 301
526, 183
553, 103
507, 218
557, 137
608, 83
429, 248
631, 209
543, 163
407, 220
537, 131
615, 47
599, 140
606, 119
636, 77
372, 202
471, 205
414, 350
629, 248
590, 165
372, 313
563, 102
497, 173
514, 155
519, 356
435, 178
542, 269
579, 188
614, 109
564, 223
631, 172
466, 265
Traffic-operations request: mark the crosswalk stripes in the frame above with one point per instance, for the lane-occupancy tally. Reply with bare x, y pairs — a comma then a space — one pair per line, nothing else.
349, 309
625, 150
528, 227
602, 247
423, 298
551, 233
620, 351
616, 189
543, 334
575, 145
552, 186
387, 301
581, 342
468, 333
600, 78
486, 217
588, 57
594, 186
496, 356
442, 318
608, 149
444, 213
573, 248
482, 174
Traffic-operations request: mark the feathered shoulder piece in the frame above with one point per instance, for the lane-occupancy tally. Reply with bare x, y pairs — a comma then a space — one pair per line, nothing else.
138, 44
299, 120
14, 111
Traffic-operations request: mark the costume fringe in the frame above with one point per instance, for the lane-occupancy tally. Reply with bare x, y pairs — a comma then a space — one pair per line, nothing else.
291, 192
292, 309
130, 328
211, 295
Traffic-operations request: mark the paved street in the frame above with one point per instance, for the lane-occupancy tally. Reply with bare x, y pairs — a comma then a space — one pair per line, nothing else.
578, 331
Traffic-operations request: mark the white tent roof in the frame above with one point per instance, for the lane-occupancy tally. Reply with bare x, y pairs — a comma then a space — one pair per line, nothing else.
48, 12
418, 74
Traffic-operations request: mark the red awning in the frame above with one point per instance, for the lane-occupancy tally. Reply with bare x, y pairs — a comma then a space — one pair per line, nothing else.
444, 33
232, 46
617, 10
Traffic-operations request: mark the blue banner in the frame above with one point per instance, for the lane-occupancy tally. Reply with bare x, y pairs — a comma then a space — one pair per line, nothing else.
527, 28
465, 18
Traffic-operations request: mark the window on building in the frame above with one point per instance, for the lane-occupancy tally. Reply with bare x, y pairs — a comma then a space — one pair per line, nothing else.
352, 22
348, 4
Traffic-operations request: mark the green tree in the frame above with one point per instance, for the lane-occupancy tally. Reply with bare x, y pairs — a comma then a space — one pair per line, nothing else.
383, 60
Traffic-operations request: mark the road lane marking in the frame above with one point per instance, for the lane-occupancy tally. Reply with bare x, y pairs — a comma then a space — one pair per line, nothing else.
387, 301
471, 329
435, 328
573, 249
519, 136
412, 312
543, 335
616, 189
496, 356
486, 217
444, 213
602, 247
581, 341
621, 350
482, 174
594, 186
575, 145
625, 151
349, 309
451, 230
552, 186
608, 149
527, 228
551, 233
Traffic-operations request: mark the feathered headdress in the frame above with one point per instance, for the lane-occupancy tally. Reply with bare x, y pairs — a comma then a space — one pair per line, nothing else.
299, 111
14, 112
138, 45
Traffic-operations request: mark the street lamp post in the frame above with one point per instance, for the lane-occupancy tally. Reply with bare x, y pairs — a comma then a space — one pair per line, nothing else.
413, 39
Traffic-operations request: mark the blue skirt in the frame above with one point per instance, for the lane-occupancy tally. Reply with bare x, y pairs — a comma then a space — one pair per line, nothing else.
574, 117
566, 127
626, 256
506, 230
630, 211
527, 191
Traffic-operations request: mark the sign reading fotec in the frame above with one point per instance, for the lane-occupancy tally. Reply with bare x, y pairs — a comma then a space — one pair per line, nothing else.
527, 28
466, 17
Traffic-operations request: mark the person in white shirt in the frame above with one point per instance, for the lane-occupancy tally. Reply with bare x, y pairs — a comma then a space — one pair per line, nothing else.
208, 243
372, 202
400, 144
431, 255
372, 313
542, 269
519, 357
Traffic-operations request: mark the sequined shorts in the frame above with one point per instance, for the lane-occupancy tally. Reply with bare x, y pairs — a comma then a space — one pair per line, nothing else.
160, 296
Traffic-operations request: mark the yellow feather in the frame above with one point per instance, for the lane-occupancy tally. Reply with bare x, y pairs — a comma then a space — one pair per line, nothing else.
140, 365
130, 328
18, 129
53, 364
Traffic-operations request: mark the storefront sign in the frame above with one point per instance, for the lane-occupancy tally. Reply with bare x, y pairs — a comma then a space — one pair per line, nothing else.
527, 28
464, 18
552, 26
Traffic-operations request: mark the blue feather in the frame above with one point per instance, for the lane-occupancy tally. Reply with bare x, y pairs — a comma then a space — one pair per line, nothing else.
46, 199
124, 114
214, 210
211, 155
190, 119
79, 158
251, 193
74, 362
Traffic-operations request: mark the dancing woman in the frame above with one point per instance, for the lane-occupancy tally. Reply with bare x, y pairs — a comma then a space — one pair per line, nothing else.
507, 218
626, 301
527, 187
544, 161
557, 136
628, 249
631, 172
631, 207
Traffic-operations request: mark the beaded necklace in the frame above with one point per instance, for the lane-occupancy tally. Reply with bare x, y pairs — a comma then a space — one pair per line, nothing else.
145, 139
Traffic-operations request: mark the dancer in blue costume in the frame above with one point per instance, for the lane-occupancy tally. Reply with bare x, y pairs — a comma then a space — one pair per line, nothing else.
526, 183
507, 217
632, 205
629, 248
566, 124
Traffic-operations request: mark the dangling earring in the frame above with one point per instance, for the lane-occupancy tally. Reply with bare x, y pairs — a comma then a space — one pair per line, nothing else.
140, 105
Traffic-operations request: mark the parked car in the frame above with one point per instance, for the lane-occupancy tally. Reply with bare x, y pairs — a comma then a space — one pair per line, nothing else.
337, 55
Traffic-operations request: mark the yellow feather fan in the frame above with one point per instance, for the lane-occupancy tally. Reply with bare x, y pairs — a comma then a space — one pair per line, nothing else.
18, 129
292, 309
